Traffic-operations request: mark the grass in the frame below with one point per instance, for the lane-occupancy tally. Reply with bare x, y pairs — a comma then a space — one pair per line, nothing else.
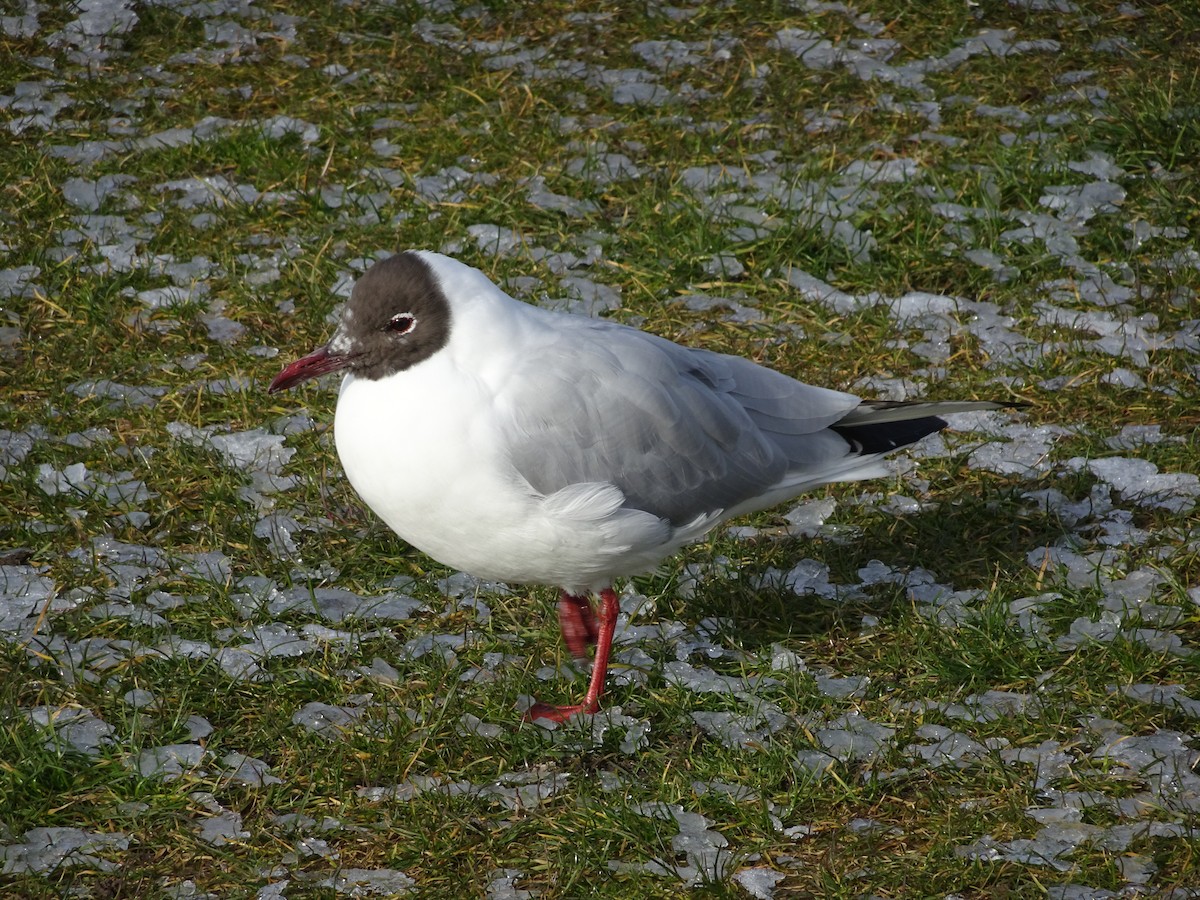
448, 108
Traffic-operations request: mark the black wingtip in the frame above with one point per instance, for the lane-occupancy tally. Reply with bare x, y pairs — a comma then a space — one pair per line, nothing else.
887, 436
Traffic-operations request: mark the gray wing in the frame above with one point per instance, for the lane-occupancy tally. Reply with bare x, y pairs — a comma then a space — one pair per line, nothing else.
681, 432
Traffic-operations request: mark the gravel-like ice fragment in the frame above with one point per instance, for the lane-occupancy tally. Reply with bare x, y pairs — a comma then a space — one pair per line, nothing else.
1020, 450
73, 728
703, 680
43, 850
278, 530
88, 195
24, 594
470, 724
1168, 695
366, 882
1081, 202
1049, 759
96, 26
119, 394
1133, 437
809, 576
168, 762
734, 730
583, 296
139, 698
249, 770
854, 738
946, 747
328, 720
1163, 756
840, 688
807, 518
198, 727
19, 282
759, 881
503, 886
1139, 480
703, 850
222, 828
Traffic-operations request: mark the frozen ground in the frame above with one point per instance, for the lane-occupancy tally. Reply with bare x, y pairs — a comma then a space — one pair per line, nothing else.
1144, 781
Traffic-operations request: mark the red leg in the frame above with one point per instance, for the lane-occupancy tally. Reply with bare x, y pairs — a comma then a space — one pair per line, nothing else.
607, 624
578, 623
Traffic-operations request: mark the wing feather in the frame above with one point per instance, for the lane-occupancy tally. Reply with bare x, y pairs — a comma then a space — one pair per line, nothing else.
682, 433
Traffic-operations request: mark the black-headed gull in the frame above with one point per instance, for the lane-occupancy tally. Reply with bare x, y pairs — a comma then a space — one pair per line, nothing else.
529, 446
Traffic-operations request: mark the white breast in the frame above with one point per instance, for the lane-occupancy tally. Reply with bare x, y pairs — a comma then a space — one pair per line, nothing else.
423, 449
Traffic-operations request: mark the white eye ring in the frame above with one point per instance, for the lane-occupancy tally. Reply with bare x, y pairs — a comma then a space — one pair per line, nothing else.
402, 323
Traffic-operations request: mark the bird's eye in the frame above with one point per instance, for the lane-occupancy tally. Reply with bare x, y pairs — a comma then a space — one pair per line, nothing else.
402, 323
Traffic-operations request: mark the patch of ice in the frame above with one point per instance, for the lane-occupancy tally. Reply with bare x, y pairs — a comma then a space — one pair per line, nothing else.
1083, 631
43, 850
278, 530
888, 171
583, 296
256, 452
450, 185
1132, 437
168, 762
268, 640
337, 604
24, 594
759, 881
1017, 449
277, 127
503, 886
702, 851
89, 195
853, 737
140, 698
222, 329
809, 576
1079, 203
328, 720
542, 198
521, 790
603, 168
1140, 481
249, 770
496, 239
198, 727
735, 730
1049, 759
97, 25
222, 828
470, 724
72, 728
1050, 847
24, 25
442, 645
807, 518
15, 446
1122, 377
703, 680
1170, 696
117, 393
365, 882
945, 747
1078, 570
839, 688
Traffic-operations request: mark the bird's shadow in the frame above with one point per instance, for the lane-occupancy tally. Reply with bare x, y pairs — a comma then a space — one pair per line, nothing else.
969, 541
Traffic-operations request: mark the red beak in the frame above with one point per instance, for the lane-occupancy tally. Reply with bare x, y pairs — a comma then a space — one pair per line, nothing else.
319, 362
